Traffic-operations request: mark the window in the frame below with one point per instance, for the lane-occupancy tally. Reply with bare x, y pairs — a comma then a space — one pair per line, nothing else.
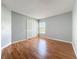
32, 27
42, 26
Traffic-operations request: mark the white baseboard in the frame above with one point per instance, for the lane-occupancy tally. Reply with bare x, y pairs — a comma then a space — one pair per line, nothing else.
5, 46
74, 50
59, 40
66, 42
11, 43
25, 39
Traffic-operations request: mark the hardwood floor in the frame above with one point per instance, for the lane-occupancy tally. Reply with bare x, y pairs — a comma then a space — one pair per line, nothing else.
39, 48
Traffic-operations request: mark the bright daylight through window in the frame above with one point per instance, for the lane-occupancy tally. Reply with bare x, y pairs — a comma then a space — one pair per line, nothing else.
42, 26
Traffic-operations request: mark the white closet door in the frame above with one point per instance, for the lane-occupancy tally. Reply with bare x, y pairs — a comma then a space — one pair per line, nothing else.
32, 27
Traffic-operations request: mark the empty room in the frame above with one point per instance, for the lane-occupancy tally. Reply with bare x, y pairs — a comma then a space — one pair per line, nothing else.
38, 29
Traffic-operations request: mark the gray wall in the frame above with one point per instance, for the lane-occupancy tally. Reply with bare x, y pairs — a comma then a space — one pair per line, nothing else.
59, 26
18, 27
74, 41
6, 26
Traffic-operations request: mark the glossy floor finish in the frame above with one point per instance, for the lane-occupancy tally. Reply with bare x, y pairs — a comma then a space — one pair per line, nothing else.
39, 48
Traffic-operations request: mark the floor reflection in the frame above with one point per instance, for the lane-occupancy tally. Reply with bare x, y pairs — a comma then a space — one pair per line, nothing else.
42, 47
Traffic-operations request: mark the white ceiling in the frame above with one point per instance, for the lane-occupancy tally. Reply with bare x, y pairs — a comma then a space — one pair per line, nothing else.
39, 8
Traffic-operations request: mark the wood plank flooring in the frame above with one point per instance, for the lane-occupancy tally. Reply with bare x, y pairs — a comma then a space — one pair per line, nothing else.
39, 48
